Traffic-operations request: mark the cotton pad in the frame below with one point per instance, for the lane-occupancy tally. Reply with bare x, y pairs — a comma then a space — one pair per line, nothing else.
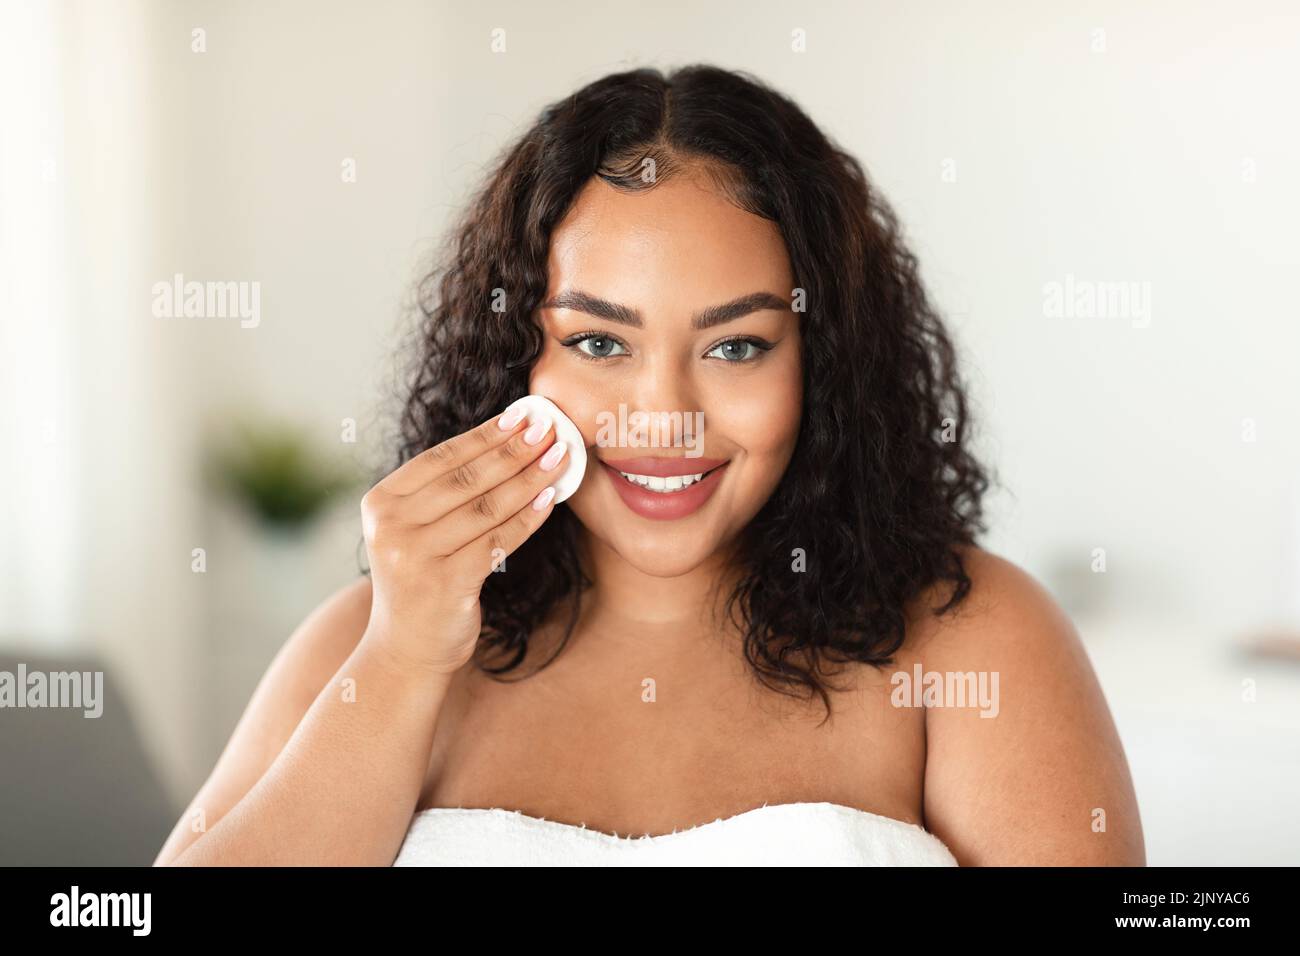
575, 458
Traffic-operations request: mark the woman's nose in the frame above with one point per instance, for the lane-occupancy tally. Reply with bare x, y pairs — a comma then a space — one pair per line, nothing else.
664, 385
664, 391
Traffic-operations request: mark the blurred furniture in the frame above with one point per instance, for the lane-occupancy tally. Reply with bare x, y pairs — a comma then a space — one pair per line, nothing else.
77, 790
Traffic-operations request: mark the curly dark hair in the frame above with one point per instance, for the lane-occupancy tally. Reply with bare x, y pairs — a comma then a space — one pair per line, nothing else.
882, 490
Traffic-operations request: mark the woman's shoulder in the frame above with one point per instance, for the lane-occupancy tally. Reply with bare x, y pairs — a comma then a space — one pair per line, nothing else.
305, 663
328, 634
342, 615
1008, 630
314, 651
331, 629
1031, 771
1006, 610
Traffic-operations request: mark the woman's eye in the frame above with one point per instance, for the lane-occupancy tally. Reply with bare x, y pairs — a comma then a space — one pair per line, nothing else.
599, 346
594, 345
737, 350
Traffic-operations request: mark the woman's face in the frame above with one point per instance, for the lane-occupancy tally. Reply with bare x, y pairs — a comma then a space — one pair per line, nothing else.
718, 390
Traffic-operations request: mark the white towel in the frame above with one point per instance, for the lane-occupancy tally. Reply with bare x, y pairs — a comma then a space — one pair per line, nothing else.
785, 834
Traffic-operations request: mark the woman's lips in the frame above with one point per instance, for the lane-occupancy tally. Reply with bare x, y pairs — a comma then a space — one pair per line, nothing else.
666, 505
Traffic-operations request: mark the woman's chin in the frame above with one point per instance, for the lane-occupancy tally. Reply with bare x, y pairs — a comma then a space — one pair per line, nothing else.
660, 553
668, 562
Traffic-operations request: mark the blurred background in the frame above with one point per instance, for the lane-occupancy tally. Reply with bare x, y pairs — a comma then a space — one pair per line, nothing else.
1103, 199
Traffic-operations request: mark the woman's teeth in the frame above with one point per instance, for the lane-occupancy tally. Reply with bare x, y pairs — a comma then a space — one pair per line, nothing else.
664, 485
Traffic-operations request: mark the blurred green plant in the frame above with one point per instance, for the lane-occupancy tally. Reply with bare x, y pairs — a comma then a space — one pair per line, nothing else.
274, 471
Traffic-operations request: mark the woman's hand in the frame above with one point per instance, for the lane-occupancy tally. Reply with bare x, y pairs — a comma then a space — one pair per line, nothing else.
436, 527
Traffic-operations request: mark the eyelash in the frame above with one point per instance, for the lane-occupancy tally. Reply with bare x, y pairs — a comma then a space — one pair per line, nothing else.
573, 341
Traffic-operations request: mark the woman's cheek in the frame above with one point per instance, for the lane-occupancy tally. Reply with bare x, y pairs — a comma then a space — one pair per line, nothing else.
577, 397
761, 419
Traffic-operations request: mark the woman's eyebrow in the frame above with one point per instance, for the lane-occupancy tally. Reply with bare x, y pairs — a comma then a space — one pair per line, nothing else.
580, 301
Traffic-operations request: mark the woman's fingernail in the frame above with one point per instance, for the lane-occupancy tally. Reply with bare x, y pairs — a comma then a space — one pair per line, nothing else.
544, 498
537, 431
512, 418
553, 455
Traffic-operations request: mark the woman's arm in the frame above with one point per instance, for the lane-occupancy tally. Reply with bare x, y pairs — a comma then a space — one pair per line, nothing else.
1035, 784
327, 763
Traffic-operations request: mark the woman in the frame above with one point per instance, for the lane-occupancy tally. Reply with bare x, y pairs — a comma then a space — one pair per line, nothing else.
762, 665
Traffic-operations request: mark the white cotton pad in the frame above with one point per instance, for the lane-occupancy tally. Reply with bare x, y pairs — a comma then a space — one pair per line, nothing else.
575, 459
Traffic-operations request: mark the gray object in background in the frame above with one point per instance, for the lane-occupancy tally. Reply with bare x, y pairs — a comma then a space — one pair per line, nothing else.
77, 791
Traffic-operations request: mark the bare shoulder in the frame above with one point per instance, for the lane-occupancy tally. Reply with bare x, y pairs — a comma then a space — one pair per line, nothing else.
305, 663
323, 641
1000, 594
1032, 772
311, 655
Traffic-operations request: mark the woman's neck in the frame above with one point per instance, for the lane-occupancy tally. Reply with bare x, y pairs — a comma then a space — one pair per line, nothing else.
626, 600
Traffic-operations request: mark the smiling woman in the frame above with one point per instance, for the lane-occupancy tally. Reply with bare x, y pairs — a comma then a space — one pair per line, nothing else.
689, 638
716, 252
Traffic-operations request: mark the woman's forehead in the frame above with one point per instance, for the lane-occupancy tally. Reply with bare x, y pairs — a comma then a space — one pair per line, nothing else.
682, 238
